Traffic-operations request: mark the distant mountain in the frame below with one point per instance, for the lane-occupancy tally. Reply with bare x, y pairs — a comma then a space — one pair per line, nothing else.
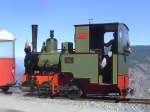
139, 71
140, 54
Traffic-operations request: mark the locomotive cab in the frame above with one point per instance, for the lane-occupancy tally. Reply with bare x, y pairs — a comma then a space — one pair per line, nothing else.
101, 62
110, 42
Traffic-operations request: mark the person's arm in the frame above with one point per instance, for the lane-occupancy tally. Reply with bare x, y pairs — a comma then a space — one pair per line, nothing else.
103, 63
108, 43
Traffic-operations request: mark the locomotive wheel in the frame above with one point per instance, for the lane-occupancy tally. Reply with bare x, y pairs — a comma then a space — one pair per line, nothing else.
27, 86
74, 92
5, 89
44, 89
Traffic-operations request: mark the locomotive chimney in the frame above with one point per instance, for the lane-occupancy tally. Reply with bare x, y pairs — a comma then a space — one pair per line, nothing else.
51, 33
34, 37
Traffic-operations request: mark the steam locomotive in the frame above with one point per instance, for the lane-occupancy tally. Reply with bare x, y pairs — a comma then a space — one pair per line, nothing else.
97, 65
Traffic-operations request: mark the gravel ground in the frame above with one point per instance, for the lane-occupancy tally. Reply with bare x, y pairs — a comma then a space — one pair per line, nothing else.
18, 103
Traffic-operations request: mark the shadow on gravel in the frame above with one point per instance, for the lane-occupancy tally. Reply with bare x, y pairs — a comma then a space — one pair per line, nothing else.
10, 110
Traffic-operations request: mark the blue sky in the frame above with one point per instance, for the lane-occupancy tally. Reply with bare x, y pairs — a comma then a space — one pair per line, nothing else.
16, 16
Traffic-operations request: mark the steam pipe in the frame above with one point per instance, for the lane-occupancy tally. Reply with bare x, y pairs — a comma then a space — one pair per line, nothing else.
34, 37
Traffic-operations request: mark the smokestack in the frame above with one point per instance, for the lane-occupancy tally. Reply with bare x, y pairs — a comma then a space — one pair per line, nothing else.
34, 37
52, 33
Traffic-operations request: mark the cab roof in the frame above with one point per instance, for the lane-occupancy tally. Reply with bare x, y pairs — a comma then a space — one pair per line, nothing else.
112, 25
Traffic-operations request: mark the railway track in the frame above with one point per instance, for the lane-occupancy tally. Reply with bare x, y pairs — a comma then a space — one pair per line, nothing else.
108, 100
137, 101
128, 100
95, 98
